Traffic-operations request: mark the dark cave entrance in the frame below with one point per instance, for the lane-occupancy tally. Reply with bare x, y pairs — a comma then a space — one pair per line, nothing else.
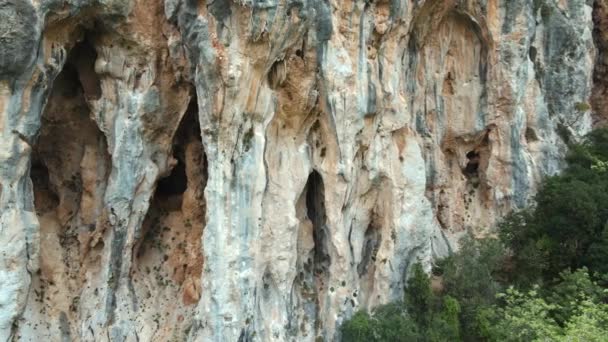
67, 133
174, 184
477, 160
170, 189
472, 168
82, 58
311, 282
170, 247
315, 209
69, 167
45, 197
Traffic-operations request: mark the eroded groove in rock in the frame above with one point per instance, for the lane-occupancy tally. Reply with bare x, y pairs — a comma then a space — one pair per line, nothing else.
315, 207
168, 266
371, 244
453, 58
313, 276
70, 165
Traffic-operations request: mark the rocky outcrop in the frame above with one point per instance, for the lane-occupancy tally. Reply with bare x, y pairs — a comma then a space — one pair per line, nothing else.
237, 170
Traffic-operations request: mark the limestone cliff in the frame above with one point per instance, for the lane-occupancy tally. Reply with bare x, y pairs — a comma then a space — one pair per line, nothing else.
260, 170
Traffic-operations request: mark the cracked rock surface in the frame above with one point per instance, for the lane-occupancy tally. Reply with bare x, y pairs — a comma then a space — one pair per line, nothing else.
236, 170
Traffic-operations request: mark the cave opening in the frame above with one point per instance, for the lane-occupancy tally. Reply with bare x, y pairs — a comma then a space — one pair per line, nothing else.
45, 197
69, 141
313, 254
81, 60
169, 250
69, 168
315, 209
531, 135
277, 74
472, 168
176, 183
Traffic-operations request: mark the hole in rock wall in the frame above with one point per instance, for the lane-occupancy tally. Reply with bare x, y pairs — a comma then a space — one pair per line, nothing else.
315, 207
45, 198
531, 135
70, 154
169, 261
83, 58
532, 53
472, 168
448, 84
176, 183
277, 74
69, 168
313, 257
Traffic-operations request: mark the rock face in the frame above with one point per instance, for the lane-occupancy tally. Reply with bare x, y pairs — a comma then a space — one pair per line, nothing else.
260, 170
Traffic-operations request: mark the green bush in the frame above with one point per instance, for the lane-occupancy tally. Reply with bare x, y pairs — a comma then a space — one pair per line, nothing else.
572, 289
419, 297
524, 317
387, 323
470, 277
421, 317
530, 317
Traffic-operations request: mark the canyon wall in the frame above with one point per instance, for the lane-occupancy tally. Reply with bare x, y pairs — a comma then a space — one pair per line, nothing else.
260, 170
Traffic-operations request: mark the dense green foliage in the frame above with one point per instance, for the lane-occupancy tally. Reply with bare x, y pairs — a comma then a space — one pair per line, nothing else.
563, 229
544, 279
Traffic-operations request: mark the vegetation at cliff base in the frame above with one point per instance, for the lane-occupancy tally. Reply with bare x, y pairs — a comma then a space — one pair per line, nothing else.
544, 278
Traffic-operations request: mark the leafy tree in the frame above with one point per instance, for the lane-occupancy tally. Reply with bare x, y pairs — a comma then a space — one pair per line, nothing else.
358, 328
590, 324
528, 317
567, 215
525, 317
393, 323
573, 289
446, 324
597, 254
469, 277
528, 256
419, 296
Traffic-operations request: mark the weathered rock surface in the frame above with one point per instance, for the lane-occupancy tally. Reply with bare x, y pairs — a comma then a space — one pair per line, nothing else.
260, 170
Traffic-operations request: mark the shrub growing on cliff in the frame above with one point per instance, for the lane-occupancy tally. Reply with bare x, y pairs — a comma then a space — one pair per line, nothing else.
419, 297
470, 276
422, 316
387, 323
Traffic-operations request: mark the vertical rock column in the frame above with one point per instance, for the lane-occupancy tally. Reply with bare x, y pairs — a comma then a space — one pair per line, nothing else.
234, 49
374, 171
142, 102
